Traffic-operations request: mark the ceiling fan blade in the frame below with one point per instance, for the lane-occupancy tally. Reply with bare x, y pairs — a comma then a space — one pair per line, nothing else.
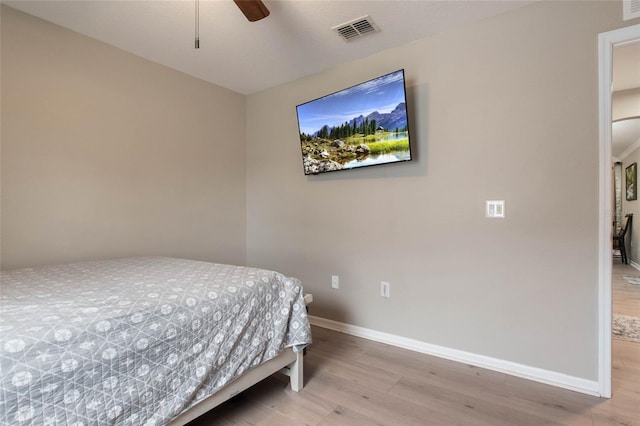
254, 10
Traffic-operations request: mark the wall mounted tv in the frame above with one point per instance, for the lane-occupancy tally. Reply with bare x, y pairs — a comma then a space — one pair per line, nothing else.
363, 125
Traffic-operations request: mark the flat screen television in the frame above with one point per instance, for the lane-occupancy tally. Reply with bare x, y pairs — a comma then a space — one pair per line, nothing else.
363, 125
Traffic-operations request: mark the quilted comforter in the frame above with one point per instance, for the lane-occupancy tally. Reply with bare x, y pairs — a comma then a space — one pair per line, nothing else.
136, 341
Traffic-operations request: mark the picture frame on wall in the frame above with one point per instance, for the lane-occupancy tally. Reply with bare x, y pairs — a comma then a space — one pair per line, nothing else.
631, 177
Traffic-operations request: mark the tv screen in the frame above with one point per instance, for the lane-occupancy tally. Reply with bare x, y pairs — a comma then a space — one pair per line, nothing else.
363, 125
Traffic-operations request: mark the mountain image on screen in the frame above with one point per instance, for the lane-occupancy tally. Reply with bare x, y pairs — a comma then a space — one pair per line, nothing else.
364, 125
396, 119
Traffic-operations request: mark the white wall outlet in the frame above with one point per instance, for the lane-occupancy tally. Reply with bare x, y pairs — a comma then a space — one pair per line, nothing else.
385, 289
335, 281
495, 209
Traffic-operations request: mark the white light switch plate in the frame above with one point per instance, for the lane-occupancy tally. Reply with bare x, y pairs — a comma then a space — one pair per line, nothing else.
495, 209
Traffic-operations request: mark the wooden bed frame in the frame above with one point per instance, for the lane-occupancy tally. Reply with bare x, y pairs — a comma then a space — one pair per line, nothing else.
287, 362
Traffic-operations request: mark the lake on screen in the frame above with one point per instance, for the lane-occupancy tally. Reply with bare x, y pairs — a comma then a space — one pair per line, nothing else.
379, 159
392, 137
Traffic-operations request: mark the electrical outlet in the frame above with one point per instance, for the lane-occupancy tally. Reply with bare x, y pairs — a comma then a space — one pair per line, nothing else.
385, 289
335, 281
495, 209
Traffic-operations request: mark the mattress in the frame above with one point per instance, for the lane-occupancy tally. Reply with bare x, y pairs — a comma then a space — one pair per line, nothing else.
136, 341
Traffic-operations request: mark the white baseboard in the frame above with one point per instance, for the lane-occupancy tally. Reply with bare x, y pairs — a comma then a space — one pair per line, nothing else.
589, 387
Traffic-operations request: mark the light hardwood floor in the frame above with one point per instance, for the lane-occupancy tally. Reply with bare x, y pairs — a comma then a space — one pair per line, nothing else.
626, 297
353, 381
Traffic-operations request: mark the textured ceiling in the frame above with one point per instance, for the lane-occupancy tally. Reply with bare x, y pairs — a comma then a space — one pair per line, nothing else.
296, 40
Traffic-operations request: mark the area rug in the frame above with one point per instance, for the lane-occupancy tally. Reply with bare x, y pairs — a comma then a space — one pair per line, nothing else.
625, 327
631, 279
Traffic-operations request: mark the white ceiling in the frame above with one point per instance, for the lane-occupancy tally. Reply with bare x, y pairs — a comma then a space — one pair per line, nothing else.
296, 40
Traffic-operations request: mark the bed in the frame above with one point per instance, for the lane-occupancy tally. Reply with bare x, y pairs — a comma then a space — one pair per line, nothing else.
142, 341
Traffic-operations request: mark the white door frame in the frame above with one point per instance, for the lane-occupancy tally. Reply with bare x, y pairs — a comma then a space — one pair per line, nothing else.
606, 42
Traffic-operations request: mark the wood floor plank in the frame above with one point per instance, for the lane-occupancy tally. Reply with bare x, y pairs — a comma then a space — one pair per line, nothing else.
625, 405
342, 416
493, 400
415, 363
606, 419
381, 406
471, 409
300, 407
625, 296
360, 374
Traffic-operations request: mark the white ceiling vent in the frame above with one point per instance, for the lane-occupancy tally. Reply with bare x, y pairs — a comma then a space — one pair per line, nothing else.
357, 28
630, 9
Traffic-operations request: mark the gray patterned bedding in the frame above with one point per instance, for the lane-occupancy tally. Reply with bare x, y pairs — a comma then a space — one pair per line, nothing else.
136, 341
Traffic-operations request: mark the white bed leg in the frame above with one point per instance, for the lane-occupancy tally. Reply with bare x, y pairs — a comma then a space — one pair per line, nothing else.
295, 370
296, 373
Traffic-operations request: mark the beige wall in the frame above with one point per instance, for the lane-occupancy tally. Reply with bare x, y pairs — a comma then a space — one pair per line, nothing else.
105, 154
502, 109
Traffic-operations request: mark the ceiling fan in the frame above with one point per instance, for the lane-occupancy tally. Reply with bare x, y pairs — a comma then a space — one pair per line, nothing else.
254, 10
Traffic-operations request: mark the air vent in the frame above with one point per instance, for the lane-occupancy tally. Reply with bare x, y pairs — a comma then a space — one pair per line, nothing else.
357, 28
630, 9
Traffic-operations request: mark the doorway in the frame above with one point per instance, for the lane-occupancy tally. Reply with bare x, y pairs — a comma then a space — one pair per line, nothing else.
606, 44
